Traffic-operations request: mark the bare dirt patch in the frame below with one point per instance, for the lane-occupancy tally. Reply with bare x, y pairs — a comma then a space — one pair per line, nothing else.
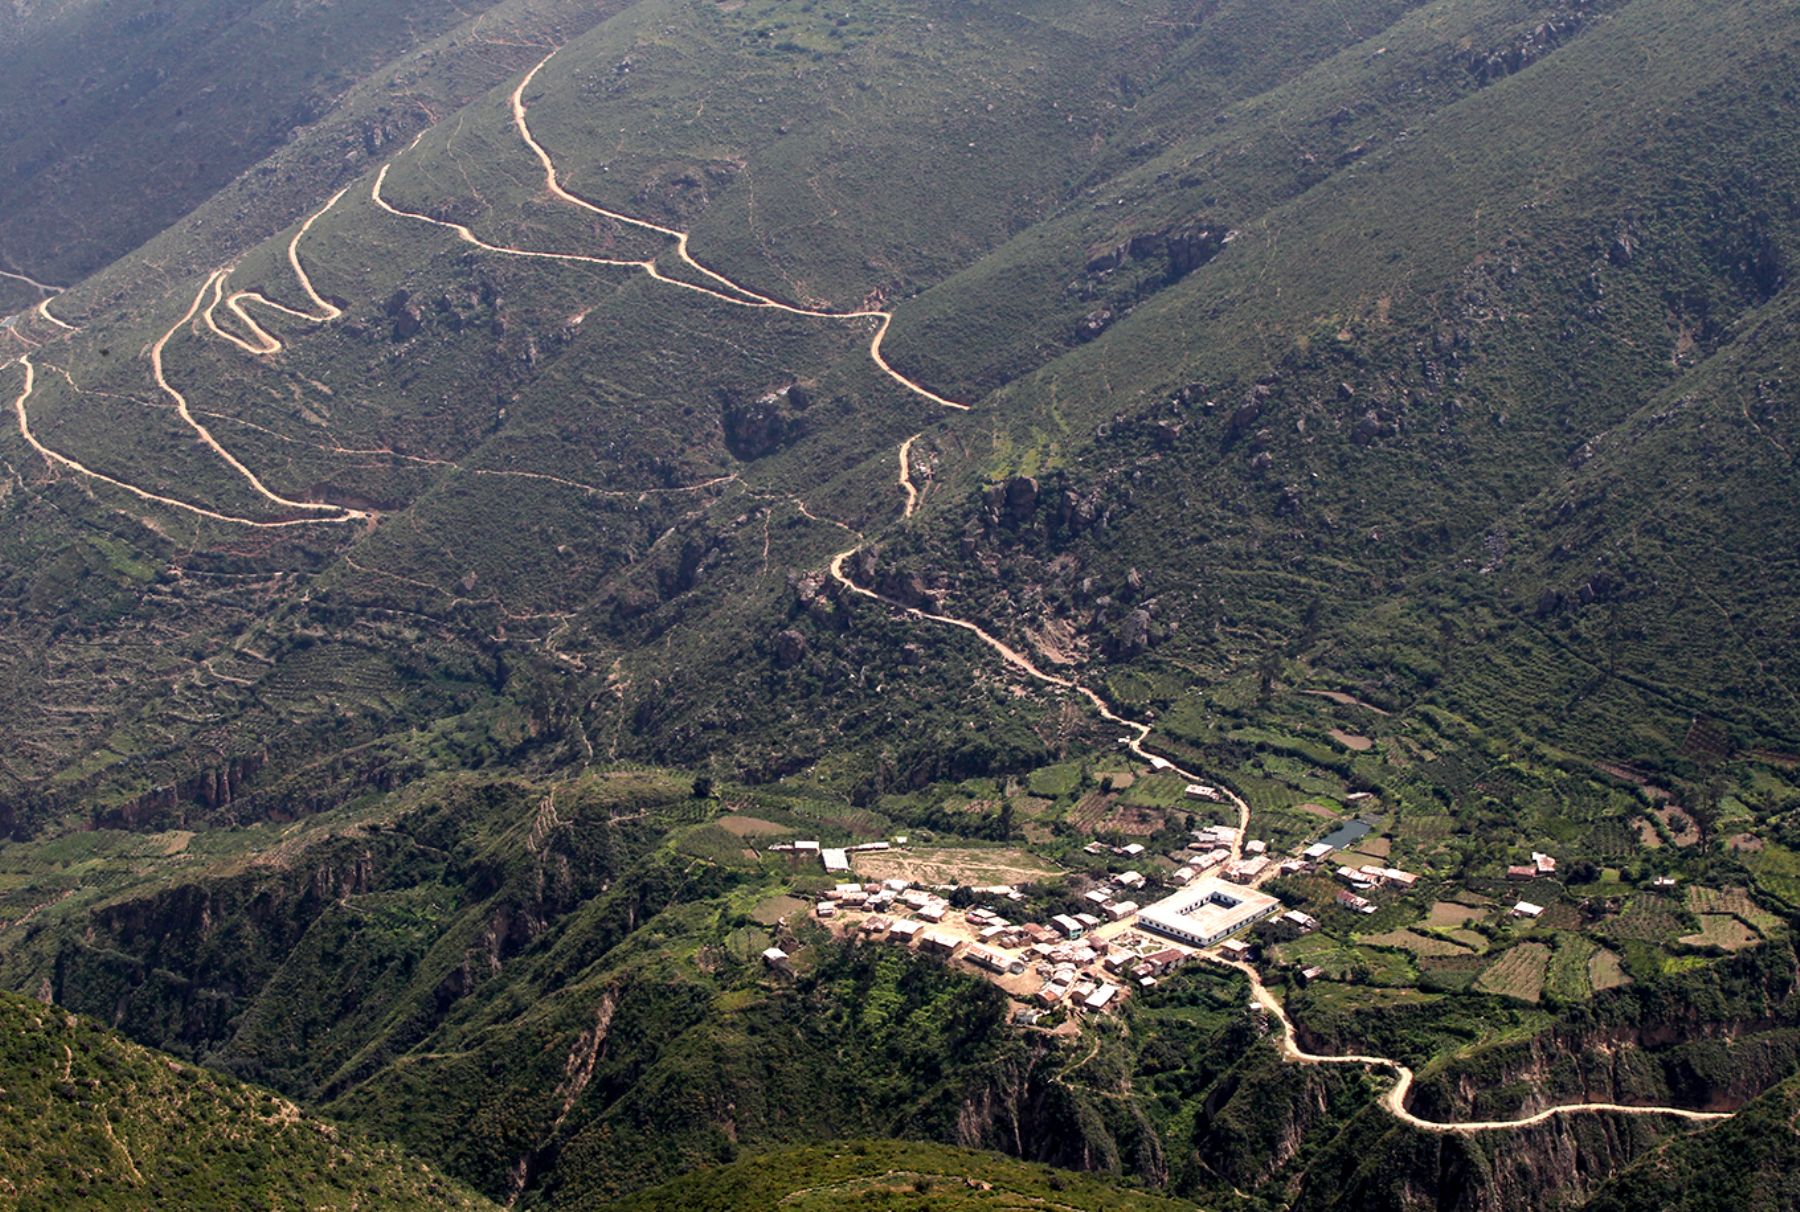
751, 826
1355, 742
1723, 931
955, 865
1647, 835
1374, 847
1680, 825
1446, 914
1344, 700
1318, 810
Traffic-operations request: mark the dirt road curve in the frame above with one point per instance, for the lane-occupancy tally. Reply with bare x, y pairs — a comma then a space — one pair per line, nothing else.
1395, 1099
734, 292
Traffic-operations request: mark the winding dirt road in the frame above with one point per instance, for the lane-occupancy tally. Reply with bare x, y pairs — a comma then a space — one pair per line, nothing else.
906, 484
1395, 1100
743, 296
338, 513
56, 459
266, 342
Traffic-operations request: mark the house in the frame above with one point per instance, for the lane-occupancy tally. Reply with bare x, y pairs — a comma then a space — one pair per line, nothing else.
1094, 848
1353, 877
1522, 871
1291, 866
1118, 911
1245, 870
807, 847
1544, 863
1200, 791
834, 859
1527, 909
915, 899
1025, 1016
994, 961
1399, 878
1038, 933
1236, 948
904, 932
863, 847
1663, 881
1069, 927
1212, 858
1302, 922
1157, 763
1098, 897
1100, 998
776, 958
1316, 851
1350, 900
1184, 875
896, 886
1132, 850
1130, 879
827, 908
1309, 975
874, 925
854, 900
1088, 921
1165, 960
1255, 846
933, 912
938, 942
1052, 994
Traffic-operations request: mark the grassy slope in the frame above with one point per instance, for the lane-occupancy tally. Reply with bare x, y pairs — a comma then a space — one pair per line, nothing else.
94, 1121
885, 1174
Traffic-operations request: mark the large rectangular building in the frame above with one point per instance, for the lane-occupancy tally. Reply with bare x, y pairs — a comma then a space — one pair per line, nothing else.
1207, 911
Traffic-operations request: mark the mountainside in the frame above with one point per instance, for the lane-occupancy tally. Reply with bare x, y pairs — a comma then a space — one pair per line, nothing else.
93, 1121
509, 466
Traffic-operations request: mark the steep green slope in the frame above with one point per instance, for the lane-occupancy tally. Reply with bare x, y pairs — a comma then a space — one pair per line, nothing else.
1748, 1163
888, 1175
94, 1121
1427, 355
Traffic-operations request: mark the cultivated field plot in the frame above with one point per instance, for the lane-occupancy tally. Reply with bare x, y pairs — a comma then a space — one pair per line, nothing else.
1650, 919
1341, 961
1519, 973
777, 907
1157, 791
1606, 971
1447, 914
1090, 810
1568, 974
1723, 931
1426, 828
753, 826
1423, 945
955, 865
1735, 901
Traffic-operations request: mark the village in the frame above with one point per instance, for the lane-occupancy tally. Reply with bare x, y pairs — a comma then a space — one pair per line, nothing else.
1134, 928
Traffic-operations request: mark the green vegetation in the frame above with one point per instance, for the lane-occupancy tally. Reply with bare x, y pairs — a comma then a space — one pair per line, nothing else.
886, 1174
1387, 401
93, 1121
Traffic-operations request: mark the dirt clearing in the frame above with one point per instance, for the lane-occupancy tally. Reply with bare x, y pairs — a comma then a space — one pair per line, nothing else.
954, 865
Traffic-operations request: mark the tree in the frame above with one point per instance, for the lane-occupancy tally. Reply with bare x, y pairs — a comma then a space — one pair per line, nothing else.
703, 787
